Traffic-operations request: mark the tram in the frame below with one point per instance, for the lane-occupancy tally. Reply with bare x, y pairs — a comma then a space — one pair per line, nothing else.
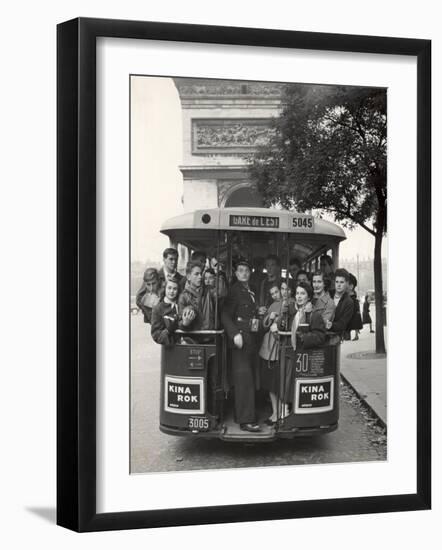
196, 393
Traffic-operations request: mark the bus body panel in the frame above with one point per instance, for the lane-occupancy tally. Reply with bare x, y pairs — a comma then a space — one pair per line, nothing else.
185, 391
315, 388
191, 396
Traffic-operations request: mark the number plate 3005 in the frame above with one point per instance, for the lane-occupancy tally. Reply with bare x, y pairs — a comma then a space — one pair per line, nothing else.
198, 423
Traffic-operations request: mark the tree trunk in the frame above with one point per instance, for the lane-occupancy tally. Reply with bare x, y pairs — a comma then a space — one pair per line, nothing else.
379, 294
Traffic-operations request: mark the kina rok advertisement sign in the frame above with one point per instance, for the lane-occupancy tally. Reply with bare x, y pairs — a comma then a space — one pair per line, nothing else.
314, 395
184, 395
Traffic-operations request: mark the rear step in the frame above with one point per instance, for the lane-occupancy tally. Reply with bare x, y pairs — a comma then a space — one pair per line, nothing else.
249, 437
232, 432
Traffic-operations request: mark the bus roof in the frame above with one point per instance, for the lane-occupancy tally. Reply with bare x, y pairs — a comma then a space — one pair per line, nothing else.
212, 220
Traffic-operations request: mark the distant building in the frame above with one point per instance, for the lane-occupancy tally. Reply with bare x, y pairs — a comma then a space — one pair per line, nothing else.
223, 120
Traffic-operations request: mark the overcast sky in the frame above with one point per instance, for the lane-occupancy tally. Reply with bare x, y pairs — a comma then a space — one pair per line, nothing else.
156, 181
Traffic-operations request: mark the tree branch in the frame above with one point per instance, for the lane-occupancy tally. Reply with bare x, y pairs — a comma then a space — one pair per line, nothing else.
339, 123
357, 130
361, 131
348, 215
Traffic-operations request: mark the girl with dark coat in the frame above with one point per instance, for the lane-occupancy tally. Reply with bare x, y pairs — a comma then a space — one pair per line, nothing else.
308, 331
165, 315
307, 327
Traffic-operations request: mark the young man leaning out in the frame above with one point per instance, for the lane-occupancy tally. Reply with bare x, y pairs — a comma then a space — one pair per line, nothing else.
196, 304
344, 304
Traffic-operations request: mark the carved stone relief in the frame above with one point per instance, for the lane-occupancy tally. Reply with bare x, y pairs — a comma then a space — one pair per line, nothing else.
230, 88
213, 135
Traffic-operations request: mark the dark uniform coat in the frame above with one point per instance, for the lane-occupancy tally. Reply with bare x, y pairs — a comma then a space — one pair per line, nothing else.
240, 307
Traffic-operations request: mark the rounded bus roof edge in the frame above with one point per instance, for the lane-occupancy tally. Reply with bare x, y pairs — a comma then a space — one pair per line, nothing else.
252, 219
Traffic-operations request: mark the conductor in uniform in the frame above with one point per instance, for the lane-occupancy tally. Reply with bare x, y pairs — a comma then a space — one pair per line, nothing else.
240, 321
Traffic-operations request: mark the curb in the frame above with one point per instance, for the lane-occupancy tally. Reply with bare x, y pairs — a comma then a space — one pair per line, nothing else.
379, 419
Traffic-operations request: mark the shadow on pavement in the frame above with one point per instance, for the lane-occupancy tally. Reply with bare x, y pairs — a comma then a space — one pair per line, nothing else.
48, 514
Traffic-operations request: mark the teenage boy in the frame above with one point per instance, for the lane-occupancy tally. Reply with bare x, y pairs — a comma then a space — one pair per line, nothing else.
344, 304
196, 304
302, 277
169, 269
165, 315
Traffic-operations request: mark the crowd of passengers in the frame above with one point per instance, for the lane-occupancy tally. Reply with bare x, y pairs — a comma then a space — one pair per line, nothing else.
256, 309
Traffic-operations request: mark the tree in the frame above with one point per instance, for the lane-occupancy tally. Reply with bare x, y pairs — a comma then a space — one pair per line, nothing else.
328, 151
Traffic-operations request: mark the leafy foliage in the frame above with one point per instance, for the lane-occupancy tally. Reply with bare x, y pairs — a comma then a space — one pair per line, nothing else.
328, 152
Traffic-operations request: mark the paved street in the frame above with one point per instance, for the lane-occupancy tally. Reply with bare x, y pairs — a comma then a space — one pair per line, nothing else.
358, 438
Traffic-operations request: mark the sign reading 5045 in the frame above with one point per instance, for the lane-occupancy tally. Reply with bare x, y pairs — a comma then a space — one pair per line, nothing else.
303, 223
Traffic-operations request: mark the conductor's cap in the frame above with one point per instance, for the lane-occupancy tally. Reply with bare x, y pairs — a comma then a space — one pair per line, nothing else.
243, 261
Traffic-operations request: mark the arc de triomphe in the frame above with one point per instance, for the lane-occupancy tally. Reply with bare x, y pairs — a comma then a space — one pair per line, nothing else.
223, 122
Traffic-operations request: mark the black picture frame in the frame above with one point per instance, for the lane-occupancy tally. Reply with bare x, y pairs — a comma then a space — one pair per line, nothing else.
76, 273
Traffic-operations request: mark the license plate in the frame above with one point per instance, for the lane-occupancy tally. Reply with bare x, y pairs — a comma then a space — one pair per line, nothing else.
198, 423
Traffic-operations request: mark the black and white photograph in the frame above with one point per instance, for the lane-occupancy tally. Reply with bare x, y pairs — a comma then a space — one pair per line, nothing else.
215, 332
258, 299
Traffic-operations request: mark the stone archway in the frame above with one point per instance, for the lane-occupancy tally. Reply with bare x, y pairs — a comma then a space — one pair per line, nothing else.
224, 122
242, 194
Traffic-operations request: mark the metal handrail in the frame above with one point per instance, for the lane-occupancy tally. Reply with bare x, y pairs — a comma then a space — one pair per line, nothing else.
179, 331
288, 333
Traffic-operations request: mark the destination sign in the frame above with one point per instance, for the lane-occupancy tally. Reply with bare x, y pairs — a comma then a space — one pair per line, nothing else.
271, 222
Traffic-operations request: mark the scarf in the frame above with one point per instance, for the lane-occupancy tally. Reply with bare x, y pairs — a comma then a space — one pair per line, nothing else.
298, 319
173, 305
196, 293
